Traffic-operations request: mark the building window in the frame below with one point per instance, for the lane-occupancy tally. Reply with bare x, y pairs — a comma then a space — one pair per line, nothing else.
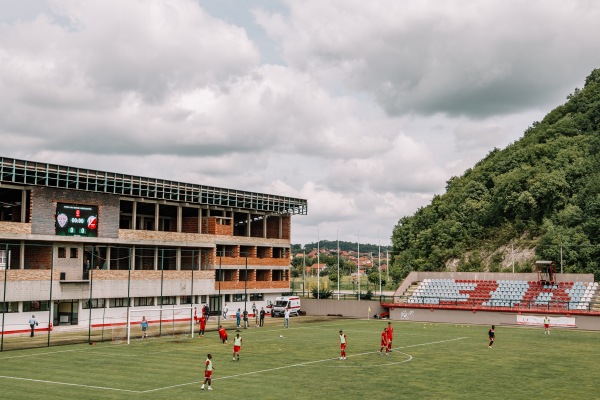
185, 300
35, 305
203, 299
74, 252
239, 297
168, 300
144, 301
121, 302
62, 252
95, 303
10, 307
256, 297
227, 298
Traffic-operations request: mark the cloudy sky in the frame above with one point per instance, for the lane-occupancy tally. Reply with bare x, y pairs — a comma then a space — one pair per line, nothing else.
364, 108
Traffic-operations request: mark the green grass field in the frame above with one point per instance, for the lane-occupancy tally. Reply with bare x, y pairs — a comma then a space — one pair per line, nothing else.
432, 361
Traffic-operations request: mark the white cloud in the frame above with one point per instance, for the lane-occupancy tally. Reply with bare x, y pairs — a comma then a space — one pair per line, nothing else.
370, 109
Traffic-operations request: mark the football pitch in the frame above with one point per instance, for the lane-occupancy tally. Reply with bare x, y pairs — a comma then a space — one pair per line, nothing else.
431, 361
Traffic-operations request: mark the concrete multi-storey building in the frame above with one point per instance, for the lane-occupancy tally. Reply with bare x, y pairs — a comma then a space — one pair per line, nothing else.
78, 246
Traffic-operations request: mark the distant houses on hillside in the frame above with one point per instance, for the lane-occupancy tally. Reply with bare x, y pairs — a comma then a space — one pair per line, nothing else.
366, 261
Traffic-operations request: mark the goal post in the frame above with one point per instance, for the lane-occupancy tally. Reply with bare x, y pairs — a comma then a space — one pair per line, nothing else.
179, 319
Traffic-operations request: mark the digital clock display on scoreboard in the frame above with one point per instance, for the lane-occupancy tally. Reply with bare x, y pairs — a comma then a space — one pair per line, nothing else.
76, 220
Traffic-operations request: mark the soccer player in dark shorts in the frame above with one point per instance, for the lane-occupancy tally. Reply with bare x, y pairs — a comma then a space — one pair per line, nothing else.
491, 335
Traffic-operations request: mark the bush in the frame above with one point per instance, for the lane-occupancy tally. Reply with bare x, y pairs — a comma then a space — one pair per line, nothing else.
322, 294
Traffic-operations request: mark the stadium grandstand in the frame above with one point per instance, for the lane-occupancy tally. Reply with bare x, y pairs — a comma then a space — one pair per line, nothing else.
526, 292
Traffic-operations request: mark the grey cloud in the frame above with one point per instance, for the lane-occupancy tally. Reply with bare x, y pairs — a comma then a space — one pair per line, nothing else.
493, 57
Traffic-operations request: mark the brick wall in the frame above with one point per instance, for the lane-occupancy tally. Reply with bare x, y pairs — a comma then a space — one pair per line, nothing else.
210, 226
43, 208
166, 237
273, 262
286, 228
16, 228
189, 224
256, 228
273, 227
253, 285
265, 252
14, 275
38, 257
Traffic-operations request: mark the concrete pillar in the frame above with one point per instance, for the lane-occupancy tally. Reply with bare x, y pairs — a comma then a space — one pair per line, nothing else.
280, 236
179, 218
265, 226
24, 205
156, 215
132, 261
200, 220
21, 255
134, 215
178, 259
108, 257
156, 266
248, 225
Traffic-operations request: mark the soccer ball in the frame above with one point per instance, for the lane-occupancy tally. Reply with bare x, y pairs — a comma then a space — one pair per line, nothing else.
281, 336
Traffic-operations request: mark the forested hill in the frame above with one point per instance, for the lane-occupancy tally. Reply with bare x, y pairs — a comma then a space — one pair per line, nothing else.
538, 196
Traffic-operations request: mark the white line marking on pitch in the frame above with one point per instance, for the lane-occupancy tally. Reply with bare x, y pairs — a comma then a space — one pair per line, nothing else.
69, 384
295, 365
49, 353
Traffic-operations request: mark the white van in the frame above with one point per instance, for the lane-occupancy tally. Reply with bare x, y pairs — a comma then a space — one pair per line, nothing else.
286, 302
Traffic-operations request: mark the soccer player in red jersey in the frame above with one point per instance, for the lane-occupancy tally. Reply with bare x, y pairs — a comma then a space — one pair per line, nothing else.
202, 325
384, 342
223, 334
208, 369
342, 340
491, 335
390, 336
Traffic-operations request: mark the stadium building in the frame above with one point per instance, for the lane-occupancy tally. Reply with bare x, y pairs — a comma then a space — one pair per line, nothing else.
80, 246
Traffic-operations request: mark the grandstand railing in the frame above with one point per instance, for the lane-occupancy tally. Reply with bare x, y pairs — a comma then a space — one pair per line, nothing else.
471, 303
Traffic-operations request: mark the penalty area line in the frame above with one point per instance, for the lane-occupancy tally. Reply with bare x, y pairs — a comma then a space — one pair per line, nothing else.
428, 343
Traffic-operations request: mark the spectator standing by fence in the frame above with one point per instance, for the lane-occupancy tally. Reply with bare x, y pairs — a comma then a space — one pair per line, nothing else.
255, 312
32, 324
206, 311
262, 316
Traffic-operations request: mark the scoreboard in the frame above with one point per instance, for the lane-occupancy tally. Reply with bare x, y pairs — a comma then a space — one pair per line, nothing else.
76, 220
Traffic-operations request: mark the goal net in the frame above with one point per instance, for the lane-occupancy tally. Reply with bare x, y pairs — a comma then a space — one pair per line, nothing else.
166, 321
